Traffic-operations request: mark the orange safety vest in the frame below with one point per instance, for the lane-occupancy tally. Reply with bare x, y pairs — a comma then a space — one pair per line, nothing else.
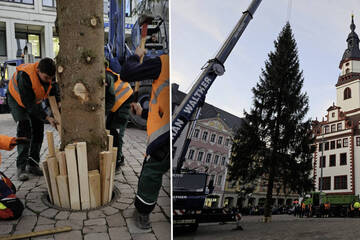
158, 122
37, 87
123, 91
5, 142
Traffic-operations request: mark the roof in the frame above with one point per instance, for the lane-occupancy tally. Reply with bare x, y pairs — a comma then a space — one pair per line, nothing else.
208, 110
353, 51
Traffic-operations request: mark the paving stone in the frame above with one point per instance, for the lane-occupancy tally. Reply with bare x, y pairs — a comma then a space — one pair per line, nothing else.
45, 237
26, 223
44, 227
72, 235
37, 207
167, 211
62, 215
76, 224
120, 206
95, 229
129, 212
78, 215
96, 221
125, 200
27, 212
97, 236
49, 213
162, 230
43, 220
163, 201
110, 210
157, 217
6, 229
119, 233
116, 220
96, 214
144, 236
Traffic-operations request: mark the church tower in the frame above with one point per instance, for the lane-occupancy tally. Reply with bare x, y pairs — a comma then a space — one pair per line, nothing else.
348, 85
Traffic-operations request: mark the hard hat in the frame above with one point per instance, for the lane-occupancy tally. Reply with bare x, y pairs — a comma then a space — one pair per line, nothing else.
356, 205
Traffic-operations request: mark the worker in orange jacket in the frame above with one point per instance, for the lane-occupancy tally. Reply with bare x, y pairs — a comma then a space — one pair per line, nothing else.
8, 143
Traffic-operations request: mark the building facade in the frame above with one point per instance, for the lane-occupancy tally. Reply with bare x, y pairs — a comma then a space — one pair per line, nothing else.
336, 159
210, 146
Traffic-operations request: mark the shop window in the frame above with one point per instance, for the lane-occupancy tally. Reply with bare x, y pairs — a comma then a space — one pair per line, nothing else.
23, 38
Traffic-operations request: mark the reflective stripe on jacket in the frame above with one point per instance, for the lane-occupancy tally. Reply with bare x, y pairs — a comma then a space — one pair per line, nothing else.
37, 87
158, 122
122, 89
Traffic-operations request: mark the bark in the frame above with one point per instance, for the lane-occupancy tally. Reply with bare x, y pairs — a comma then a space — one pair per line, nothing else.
81, 75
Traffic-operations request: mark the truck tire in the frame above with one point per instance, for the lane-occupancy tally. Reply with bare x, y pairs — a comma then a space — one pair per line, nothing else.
144, 99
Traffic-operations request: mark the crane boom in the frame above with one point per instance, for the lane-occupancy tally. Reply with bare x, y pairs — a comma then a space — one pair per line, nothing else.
214, 68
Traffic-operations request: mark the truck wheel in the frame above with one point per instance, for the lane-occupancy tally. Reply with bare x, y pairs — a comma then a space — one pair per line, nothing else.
144, 100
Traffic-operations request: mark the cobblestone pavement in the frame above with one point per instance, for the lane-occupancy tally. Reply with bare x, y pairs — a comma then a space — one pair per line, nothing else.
282, 227
114, 221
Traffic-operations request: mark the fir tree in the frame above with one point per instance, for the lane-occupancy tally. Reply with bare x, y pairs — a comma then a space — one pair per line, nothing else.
274, 142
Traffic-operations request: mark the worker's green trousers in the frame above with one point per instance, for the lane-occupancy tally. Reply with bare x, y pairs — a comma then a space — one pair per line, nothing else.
150, 180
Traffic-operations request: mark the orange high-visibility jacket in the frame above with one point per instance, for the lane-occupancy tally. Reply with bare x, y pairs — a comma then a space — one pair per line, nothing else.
123, 91
158, 122
5, 142
37, 87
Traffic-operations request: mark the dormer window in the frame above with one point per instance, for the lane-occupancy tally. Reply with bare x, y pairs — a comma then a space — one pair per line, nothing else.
347, 93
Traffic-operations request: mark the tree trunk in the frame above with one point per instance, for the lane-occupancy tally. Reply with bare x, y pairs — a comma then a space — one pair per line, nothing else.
81, 75
268, 201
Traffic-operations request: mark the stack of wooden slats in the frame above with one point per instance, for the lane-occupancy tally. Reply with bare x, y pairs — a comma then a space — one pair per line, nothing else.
70, 184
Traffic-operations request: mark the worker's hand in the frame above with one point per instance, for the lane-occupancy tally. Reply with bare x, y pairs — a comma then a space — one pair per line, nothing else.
52, 121
140, 52
136, 108
19, 140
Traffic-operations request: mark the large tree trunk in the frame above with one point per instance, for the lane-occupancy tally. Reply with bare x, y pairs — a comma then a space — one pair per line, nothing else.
268, 201
80, 72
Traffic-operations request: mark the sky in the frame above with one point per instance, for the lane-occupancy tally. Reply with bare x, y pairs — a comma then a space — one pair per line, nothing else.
320, 28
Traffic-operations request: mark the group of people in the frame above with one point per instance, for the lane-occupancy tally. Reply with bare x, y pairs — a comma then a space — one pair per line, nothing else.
32, 83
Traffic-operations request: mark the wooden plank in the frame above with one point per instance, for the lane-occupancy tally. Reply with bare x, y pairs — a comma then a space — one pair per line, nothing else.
60, 156
107, 132
38, 233
105, 174
113, 167
72, 170
94, 188
53, 173
47, 179
63, 186
50, 140
110, 142
83, 175
55, 110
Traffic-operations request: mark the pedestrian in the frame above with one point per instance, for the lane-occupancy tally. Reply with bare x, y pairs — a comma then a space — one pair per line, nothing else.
10, 206
157, 160
29, 86
117, 109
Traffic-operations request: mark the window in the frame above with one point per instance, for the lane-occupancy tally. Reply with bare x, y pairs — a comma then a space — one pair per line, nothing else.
208, 157
333, 114
191, 154
320, 147
339, 126
200, 156
23, 38
204, 136
220, 139
347, 70
357, 141
56, 45
326, 183
340, 182
326, 129
347, 93
345, 142
326, 146
216, 159
338, 143
322, 162
212, 138
196, 133
342, 158
20, 1
223, 161
2, 43
219, 180
332, 161
333, 128
49, 3
332, 145
227, 142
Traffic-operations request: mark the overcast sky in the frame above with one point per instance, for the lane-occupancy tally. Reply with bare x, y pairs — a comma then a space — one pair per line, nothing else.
320, 28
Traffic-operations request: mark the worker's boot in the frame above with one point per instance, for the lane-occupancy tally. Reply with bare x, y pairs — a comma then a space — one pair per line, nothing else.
142, 221
120, 162
22, 175
34, 168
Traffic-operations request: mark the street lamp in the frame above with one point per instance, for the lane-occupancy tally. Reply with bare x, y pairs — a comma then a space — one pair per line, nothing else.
321, 163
